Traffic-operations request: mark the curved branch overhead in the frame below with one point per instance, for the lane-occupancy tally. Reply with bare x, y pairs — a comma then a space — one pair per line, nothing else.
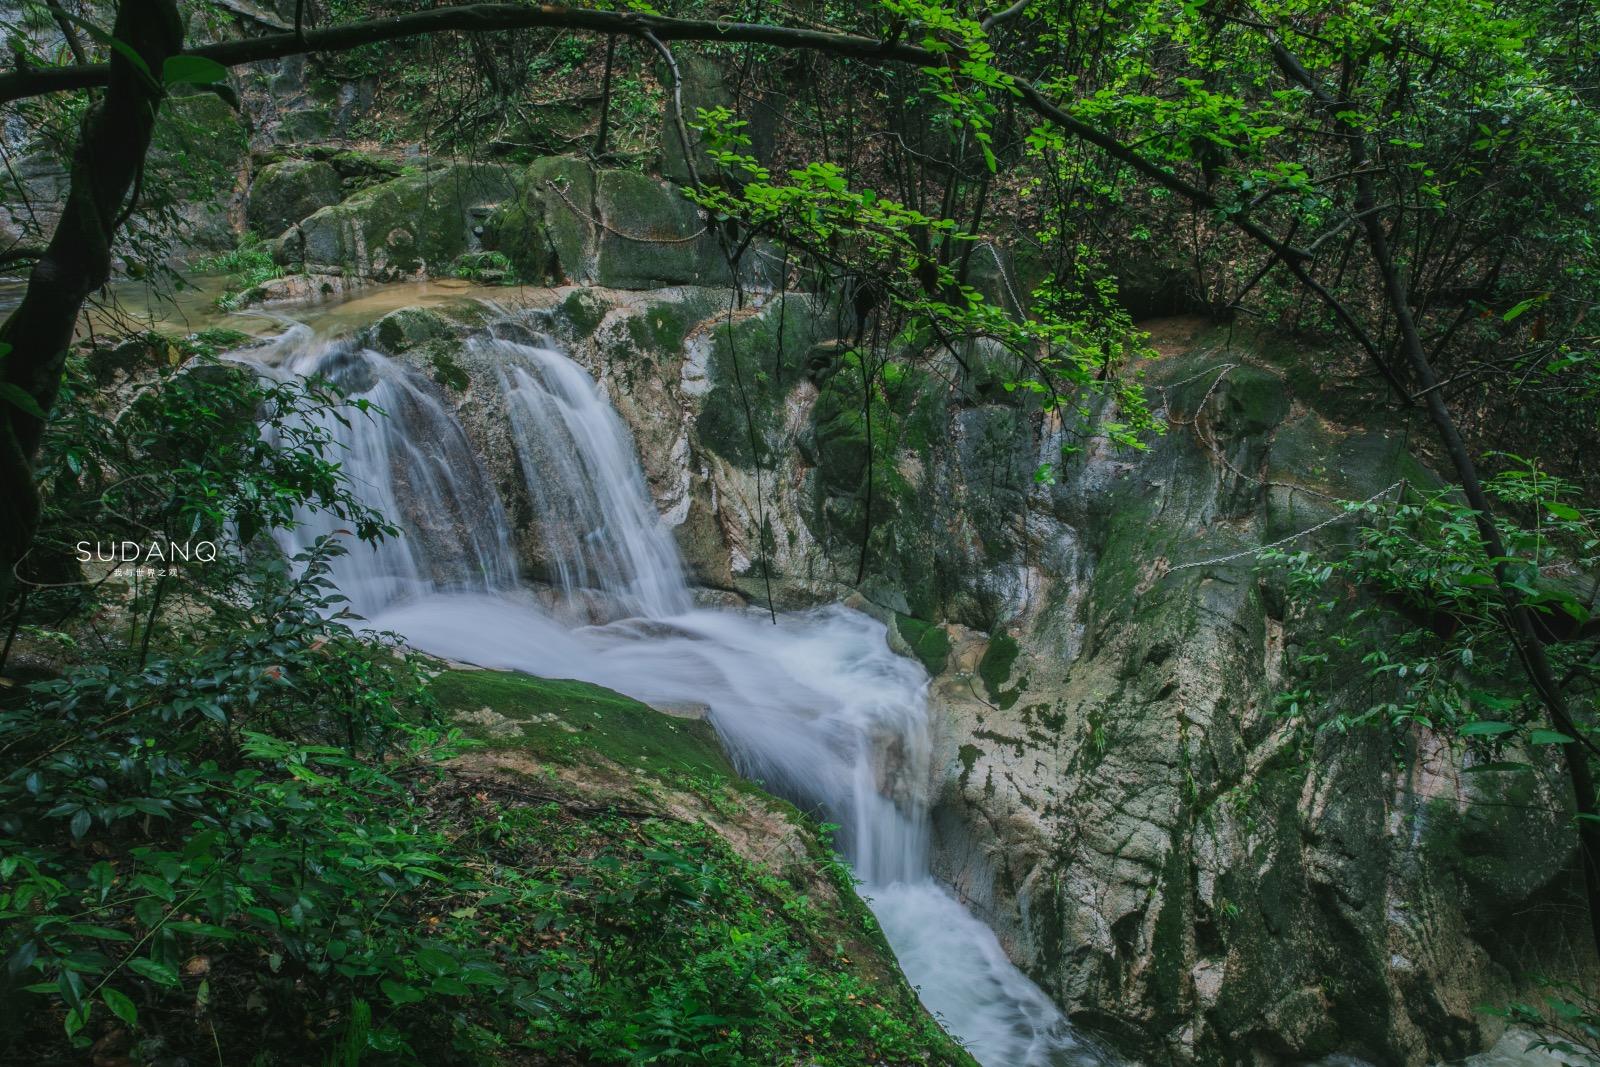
492, 18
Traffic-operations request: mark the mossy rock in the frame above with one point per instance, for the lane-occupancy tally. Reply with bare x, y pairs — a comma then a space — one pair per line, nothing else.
521, 237
305, 125
284, 193
558, 192
929, 642
1253, 401
363, 168
753, 365
404, 227
402, 329
653, 236
567, 722
581, 312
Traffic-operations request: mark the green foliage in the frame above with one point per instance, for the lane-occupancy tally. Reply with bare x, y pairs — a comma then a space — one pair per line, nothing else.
1567, 1024
485, 267
913, 257
235, 831
246, 267
1426, 583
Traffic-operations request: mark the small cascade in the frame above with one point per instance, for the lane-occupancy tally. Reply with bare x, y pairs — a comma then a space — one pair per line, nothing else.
606, 545
411, 461
815, 706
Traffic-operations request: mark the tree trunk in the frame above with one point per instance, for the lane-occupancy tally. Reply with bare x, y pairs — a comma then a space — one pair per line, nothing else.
105, 166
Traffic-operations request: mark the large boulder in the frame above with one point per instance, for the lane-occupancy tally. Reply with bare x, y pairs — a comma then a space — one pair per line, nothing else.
284, 193
414, 224
650, 236
616, 228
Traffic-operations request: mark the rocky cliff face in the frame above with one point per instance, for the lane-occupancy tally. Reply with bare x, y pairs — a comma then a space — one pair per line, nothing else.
1180, 867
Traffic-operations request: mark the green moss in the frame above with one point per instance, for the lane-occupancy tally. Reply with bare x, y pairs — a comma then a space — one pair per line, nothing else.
667, 242
929, 642
213, 341
406, 225
583, 311
1254, 400
660, 329
562, 721
447, 372
968, 754
516, 231
995, 667
558, 191
400, 330
754, 364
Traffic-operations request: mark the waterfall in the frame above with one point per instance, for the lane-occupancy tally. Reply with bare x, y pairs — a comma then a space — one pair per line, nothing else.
411, 461
594, 513
816, 707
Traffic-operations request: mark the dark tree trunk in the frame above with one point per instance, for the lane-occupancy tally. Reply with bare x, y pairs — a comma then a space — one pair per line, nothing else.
105, 166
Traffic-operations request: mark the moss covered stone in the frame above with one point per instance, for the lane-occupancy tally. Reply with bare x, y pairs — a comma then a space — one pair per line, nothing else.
406, 226
755, 362
563, 721
929, 642
581, 312
995, 668
558, 192
406, 327
284, 193
653, 236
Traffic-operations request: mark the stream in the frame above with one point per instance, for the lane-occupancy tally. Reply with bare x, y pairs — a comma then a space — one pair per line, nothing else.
813, 704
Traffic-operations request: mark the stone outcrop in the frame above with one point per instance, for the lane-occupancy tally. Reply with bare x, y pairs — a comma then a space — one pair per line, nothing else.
284, 193
1183, 869
399, 228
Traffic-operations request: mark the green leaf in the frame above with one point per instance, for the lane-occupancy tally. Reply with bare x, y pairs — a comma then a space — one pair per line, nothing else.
155, 970
18, 397
437, 962
192, 70
1516, 312
401, 994
76, 1018
1486, 729
121, 1006
1549, 737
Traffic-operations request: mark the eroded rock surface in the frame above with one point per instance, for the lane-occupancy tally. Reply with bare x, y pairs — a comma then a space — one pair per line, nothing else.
1180, 867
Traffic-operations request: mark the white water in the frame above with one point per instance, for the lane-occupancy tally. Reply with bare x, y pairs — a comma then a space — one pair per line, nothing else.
411, 462
817, 707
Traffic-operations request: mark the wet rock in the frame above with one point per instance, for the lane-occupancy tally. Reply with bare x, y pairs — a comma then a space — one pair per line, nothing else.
401, 228
400, 330
284, 193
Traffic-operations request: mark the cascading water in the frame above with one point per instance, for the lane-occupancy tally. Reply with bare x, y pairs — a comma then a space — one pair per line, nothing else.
594, 515
411, 462
815, 706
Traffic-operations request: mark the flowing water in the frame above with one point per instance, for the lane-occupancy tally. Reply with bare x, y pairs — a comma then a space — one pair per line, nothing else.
815, 705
